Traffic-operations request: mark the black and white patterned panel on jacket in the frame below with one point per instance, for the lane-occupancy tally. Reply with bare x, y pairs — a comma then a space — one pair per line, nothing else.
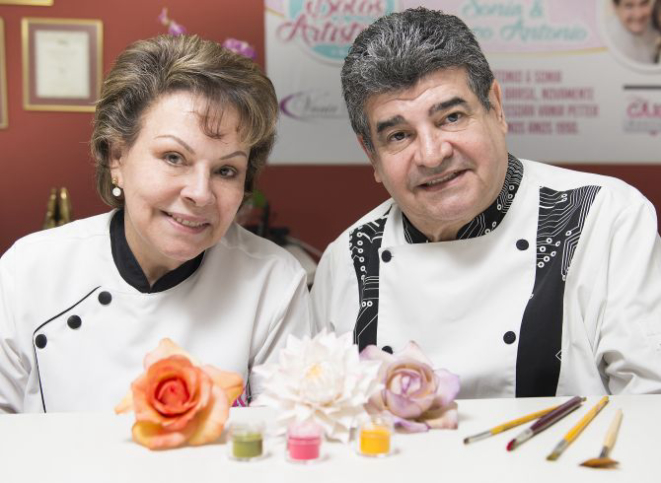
490, 218
562, 215
364, 243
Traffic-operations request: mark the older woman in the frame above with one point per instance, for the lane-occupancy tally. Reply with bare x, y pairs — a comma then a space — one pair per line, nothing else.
182, 129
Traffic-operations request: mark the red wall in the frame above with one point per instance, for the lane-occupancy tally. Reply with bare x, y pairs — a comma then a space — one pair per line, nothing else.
40, 150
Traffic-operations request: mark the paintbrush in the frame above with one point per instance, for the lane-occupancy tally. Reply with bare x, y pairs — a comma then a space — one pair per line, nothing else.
508, 425
544, 422
576, 430
603, 461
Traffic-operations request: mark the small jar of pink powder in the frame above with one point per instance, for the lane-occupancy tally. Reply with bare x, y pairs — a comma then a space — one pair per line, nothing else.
304, 442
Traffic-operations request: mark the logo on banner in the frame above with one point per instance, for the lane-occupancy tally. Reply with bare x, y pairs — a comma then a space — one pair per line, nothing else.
643, 115
327, 28
313, 104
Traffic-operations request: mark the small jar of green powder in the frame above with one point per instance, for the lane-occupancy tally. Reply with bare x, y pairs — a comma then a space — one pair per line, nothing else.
246, 441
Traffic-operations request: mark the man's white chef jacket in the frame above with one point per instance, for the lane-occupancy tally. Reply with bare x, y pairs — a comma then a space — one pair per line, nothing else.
73, 332
553, 290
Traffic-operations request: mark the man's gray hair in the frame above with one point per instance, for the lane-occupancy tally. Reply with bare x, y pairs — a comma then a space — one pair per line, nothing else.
399, 49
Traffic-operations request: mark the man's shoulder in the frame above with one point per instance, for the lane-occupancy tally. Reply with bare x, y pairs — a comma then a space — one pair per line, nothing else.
375, 215
563, 179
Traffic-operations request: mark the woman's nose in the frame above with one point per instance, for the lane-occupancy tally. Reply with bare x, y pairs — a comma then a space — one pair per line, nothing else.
197, 188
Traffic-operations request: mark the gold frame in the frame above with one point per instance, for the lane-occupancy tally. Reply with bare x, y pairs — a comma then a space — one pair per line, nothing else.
4, 117
91, 26
36, 3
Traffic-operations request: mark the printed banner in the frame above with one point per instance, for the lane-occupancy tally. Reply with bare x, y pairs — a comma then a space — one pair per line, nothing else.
581, 80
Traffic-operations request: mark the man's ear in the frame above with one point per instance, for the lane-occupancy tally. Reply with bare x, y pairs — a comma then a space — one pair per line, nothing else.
496, 99
371, 156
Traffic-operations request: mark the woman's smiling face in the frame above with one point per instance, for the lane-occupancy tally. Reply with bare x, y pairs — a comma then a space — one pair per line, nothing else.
182, 188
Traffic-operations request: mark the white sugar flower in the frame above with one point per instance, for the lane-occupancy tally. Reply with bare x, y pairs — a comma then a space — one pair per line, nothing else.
321, 380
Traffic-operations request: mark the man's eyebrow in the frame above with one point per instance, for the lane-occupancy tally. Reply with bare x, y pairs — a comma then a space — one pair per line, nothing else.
388, 123
442, 106
179, 140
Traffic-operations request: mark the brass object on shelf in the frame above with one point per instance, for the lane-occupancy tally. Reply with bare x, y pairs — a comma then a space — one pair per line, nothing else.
58, 210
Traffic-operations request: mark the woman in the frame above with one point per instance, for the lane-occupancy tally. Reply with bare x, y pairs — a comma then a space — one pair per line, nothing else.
631, 31
656, 23
181, 130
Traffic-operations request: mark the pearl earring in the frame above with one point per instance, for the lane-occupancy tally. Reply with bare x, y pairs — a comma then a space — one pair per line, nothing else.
116, 190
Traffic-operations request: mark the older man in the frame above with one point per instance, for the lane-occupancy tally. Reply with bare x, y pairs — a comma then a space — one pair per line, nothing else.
523, 278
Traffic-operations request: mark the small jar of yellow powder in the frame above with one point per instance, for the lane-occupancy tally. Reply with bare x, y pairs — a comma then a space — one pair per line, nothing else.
374, 437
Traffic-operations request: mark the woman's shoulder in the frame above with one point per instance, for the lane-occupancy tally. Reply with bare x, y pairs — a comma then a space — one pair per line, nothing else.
65, 235
245, 244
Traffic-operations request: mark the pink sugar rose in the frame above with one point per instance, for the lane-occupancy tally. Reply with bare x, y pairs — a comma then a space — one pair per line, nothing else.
177, 401
417, 396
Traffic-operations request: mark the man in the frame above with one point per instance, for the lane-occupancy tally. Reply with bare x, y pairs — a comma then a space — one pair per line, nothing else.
631, 30
522, 278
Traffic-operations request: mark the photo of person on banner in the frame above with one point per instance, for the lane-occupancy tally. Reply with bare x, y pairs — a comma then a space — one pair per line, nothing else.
656, 22
631, 32
523, 278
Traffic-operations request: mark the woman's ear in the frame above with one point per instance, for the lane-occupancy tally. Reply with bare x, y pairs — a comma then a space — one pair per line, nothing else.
116, 154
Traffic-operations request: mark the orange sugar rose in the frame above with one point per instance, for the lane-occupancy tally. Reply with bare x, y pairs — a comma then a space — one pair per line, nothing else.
178, 401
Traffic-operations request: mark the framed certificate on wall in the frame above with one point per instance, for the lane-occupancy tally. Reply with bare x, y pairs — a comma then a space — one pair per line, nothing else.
3, 78
62, 62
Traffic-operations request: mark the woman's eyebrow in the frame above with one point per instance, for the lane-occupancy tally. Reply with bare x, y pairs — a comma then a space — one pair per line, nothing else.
179, 140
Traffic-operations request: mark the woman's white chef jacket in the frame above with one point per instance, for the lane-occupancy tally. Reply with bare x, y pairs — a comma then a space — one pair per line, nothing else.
62, 288
474, 305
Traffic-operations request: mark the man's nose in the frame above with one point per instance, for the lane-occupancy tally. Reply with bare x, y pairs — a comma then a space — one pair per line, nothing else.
197, 187
433, 148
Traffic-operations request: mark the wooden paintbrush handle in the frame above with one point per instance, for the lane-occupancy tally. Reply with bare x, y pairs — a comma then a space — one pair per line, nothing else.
609, 442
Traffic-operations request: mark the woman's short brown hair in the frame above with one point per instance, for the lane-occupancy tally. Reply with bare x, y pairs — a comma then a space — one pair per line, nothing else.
148, 69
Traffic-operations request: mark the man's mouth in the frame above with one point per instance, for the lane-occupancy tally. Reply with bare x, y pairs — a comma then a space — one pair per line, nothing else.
442, 179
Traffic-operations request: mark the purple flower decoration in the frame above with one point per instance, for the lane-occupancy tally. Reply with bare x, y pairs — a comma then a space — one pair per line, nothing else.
417, 396
240, 47
174, 28
163, 17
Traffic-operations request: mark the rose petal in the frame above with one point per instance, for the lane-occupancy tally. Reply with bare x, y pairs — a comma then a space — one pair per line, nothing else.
211, 419
447, 387
125, 405
413, 351
167, 348
405, 407
230, 382
154, 436
409, 425
445, 418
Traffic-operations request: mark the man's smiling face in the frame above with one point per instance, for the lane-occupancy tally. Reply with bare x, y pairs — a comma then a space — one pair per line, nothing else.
438, 151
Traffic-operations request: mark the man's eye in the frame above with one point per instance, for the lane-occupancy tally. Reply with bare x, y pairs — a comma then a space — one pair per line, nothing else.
397, 136
454, 117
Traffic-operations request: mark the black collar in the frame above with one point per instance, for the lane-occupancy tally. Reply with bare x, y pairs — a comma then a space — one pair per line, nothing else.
131, 271
490, 218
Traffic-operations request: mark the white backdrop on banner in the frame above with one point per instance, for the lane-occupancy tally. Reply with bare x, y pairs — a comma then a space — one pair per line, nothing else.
571, 93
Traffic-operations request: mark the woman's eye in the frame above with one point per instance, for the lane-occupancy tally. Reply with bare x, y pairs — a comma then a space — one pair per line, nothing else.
226, 172
173, 158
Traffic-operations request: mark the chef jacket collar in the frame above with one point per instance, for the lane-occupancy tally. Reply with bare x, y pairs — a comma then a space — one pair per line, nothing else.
130, 269
490, 218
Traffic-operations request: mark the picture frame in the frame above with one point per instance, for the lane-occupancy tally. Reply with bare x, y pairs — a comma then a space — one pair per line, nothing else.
4, 119
62, 63
36, 3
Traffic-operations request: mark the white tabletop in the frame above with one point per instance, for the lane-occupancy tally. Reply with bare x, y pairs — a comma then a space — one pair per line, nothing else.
96, 448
